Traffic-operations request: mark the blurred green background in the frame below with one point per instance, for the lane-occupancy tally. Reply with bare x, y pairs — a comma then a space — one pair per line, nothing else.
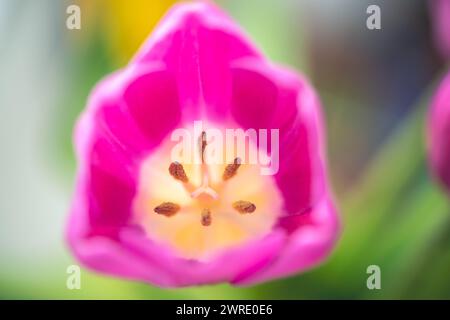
375, 87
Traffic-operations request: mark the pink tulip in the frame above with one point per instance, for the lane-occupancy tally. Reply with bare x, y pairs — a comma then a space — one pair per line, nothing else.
440, 16
140, 215
439, 134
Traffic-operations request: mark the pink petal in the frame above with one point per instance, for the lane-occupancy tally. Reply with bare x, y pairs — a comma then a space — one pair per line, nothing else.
310, 243
132, 255
197, 43
439, 133
266, 96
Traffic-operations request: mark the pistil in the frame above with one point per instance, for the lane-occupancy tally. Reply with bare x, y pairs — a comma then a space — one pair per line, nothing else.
204, 191
204, 166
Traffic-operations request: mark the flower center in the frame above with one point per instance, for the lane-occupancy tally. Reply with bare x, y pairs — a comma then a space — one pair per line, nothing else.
204, 193
200, 209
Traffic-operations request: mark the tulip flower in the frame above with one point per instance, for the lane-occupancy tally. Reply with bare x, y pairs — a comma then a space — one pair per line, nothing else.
142, 211
440, 16
439, 134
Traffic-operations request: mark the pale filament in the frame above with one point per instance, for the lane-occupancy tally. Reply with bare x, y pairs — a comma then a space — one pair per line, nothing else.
204, 191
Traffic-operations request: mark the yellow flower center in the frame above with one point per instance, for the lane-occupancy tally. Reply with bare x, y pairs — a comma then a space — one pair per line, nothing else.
201, 209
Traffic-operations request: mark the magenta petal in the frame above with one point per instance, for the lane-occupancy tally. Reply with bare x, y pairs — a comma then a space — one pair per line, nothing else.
309, 244
152, 100
265, 96
439, 133
131, 255
113, 135
134, 108
223, 268
197, 43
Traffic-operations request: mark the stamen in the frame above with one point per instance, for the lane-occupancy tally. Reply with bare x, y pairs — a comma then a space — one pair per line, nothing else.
167, 209
206, 217
176, 170
231, 169
204, 167
202, 143
244, 206
204, 191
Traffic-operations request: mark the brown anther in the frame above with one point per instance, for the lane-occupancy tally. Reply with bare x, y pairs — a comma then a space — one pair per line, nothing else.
176, 170
244, 206
202, 144
231, 169
167, 209
206, 217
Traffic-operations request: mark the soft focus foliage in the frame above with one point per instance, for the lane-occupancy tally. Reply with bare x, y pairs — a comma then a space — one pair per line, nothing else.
394, 215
